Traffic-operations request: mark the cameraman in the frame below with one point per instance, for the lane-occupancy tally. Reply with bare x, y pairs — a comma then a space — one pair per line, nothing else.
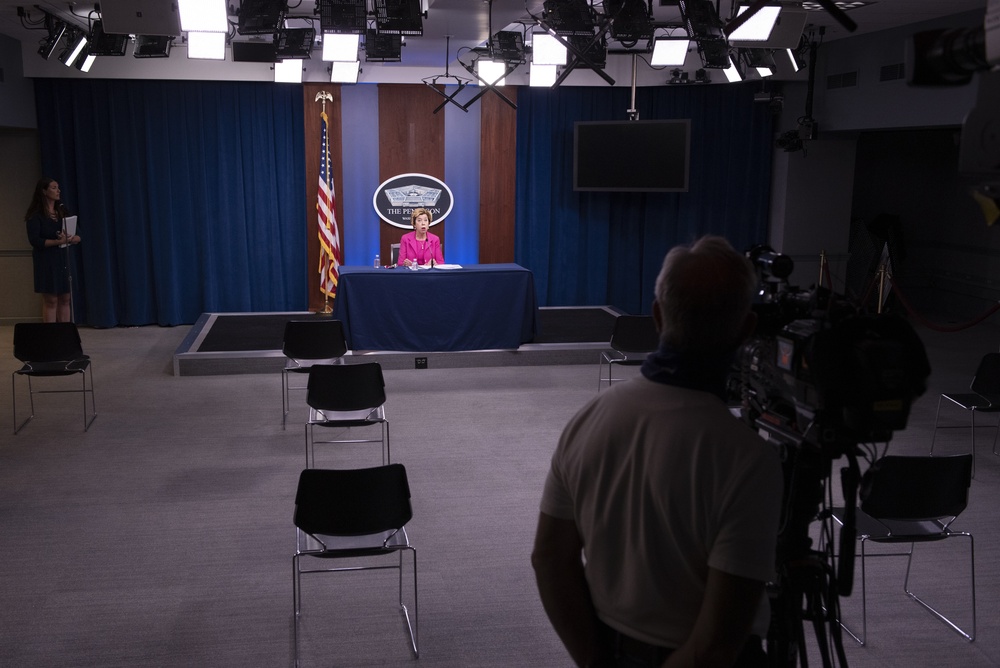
671, 502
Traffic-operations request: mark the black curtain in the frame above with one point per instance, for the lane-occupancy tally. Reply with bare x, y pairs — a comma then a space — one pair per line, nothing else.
595, 248
190, 196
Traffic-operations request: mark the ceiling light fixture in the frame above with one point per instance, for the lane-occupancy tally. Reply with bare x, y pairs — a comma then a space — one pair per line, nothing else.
288, 71
670, 51
203, 15
547, 50
705, 27
340, 47
206, 45
77, 40
399, 17
345, 72
758, 26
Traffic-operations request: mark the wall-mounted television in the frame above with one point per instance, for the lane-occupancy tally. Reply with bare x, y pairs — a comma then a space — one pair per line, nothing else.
631, 156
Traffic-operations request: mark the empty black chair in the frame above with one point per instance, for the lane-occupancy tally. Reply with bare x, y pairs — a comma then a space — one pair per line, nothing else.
341, 514
633, 337
346, 396
308, 342
913, 500
47, 350
984, 398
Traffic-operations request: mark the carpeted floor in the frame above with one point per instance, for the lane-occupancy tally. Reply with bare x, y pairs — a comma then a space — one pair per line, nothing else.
163, 536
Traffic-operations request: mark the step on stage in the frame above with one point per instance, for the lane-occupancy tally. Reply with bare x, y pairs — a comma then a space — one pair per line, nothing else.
235, 343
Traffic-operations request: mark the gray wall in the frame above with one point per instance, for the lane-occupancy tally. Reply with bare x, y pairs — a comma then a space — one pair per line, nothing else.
17, 94
19, 170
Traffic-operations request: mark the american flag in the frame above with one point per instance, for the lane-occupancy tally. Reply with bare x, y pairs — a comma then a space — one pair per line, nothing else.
329, 234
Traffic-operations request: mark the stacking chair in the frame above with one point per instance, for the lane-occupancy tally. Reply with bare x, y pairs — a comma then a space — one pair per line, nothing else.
345, 397
308, 342
347, 514
46, 350
633, 337
984, 398
913, 500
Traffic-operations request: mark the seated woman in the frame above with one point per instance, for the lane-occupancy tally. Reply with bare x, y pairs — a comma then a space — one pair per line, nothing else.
420, 246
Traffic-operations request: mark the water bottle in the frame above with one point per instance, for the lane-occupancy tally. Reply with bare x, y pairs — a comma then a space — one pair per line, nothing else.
377, 263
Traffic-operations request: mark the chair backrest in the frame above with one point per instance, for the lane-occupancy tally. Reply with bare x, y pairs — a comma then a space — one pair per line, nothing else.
47, 341
635, 334
917, 488
345, 387
987, 380
393, 253
316, 339
352, 502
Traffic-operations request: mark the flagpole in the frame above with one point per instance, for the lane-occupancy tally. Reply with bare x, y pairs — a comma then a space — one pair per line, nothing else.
322, 98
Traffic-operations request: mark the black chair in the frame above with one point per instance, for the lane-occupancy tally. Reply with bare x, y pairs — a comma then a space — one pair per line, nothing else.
346, 514
633, 337
346, 396
984, 398
393, 254
47, 350
913, 500
308, 342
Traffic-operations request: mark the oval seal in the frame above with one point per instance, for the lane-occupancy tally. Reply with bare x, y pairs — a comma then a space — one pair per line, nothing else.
395, 198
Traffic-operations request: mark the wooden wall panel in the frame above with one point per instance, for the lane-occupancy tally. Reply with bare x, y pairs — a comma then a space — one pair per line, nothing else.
411, 139
497, 177
312, 154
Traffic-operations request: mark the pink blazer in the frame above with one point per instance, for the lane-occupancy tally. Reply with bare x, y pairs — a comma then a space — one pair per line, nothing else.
409, 249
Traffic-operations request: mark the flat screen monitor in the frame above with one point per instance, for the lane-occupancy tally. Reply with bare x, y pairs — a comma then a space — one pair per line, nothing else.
631, 156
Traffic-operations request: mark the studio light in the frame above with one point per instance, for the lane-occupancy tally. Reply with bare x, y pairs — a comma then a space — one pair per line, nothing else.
296, 43
206, 45
340, 47
399, 17
491, 71
288, 71
260, 17
791, 58
345, 72
542, 76
670, 51
340, 16
152, 46
55, 28
569, 17
86, 60
380, 48
760, 60
106, 44
705, 27
758, 27
547, 50
253, 52
630, 20
597, 54
702, 76
733, 73
77, 41
203, 15
507, 46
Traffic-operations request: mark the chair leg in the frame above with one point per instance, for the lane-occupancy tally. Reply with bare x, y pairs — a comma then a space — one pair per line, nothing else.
937, 417
284, 397
385, 438
864, 606
412, 628
972, 576
995, 435
31, 402
93, 401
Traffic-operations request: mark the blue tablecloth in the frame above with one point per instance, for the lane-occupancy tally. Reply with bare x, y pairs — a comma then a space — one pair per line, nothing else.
477, 307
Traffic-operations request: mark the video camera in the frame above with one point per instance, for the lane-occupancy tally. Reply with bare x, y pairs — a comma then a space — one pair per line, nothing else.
818, 379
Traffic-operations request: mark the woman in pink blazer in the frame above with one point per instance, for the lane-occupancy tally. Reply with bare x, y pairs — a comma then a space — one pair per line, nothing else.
420, 246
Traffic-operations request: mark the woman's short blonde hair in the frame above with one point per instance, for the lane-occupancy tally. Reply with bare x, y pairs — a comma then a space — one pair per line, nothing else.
416, 212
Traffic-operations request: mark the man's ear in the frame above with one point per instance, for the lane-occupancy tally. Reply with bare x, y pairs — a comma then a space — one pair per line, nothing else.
657, 317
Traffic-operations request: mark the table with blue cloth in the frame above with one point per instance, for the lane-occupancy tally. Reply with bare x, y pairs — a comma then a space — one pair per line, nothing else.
477, 307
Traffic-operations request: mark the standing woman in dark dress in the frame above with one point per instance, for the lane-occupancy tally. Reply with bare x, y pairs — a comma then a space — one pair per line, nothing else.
44, 222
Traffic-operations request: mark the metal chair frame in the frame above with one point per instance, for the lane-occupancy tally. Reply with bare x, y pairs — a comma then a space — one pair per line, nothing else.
912, 523
49, 350
633, 337
368, 511
305, 343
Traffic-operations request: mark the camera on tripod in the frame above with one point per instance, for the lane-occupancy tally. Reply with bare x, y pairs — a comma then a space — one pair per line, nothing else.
819, 378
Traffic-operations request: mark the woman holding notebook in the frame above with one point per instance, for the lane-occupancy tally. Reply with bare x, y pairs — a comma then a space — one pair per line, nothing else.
44, 221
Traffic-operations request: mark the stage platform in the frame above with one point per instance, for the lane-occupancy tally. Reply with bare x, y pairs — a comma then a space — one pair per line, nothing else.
240, 343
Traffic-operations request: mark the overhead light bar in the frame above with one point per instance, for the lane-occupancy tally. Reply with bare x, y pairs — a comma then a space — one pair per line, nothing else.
288, 71
85, 61
260, 17
343, 16
345, 72
507, 46
77, 41
670, 51
491, 71
56, 29
791, 58
399, 17
733, 73
295, 43
340, 47
547, 50
203, 15
381, 48
569, 17
758, 27
253, 51
206, 45
152, 46
630, 20
760, 60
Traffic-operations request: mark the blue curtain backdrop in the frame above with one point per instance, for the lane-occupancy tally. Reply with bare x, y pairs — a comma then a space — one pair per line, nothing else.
594, 248
189, 196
